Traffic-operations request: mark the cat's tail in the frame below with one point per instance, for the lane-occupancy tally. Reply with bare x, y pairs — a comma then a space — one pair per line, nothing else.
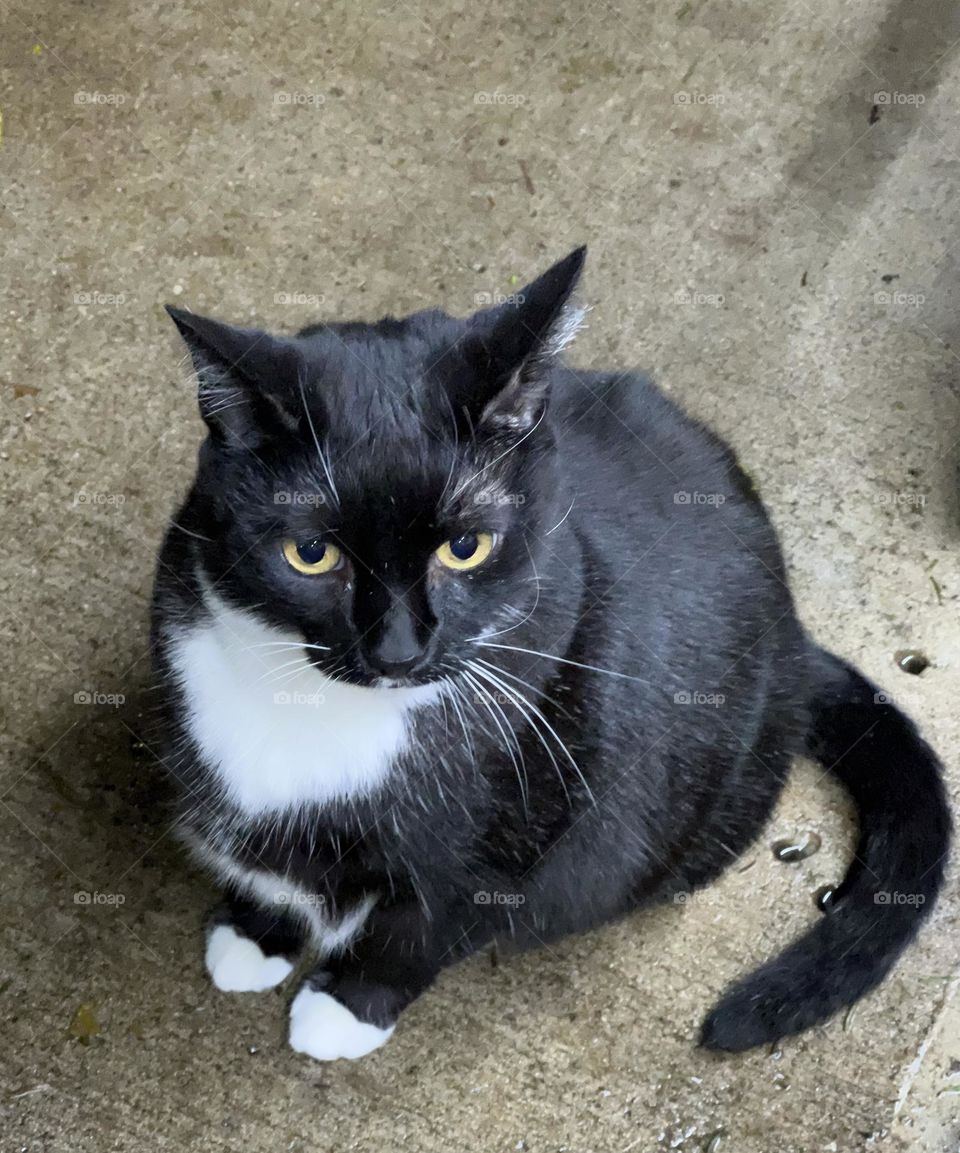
860, 737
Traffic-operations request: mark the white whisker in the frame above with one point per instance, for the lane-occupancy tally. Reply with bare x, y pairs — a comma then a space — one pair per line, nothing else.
506, 452
564, 661
316, 441
563, 518
517, 696
510, 741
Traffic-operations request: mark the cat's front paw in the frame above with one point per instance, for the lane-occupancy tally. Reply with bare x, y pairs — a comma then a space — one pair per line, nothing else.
326, 1030
238, 965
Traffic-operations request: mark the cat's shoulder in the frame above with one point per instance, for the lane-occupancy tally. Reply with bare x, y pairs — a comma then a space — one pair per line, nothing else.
611, 403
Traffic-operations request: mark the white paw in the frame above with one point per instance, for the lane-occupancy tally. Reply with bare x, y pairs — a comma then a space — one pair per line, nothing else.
326, 1030
238, 965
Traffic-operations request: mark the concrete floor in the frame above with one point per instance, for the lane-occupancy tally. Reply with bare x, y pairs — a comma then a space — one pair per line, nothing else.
782, 258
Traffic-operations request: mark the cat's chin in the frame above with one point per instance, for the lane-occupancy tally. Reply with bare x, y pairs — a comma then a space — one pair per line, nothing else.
399, 683
391, 683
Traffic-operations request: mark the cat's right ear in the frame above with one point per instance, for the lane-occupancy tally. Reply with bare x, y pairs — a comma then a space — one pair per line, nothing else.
247, 380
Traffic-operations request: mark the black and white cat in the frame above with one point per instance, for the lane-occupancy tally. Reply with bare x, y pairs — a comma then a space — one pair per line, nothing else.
460, 645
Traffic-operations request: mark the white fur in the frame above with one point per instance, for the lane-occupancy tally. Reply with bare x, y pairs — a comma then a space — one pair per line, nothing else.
283, 737
572, 319
238, 965
326, 1030
273, 891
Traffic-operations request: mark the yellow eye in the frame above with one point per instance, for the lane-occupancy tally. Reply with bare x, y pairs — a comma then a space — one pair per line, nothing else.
312, 557
467, 551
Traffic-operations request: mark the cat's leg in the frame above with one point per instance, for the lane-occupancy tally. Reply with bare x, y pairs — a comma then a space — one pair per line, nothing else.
350, 1004
250, 948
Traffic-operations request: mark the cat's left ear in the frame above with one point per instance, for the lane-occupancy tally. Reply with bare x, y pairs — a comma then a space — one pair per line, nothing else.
515, 343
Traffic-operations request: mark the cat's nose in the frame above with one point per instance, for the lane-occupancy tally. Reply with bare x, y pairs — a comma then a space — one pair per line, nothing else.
395, 654
396, 648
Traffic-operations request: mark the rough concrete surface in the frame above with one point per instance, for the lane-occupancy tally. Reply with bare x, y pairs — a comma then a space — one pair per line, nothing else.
770, 192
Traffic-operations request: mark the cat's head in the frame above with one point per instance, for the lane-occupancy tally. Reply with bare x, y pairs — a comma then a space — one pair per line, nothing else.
385, 490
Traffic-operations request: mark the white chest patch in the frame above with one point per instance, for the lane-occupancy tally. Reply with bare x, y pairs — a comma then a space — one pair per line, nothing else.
277, 731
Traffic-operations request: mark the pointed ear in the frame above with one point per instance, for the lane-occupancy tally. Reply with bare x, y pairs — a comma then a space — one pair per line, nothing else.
517, 341
247, 380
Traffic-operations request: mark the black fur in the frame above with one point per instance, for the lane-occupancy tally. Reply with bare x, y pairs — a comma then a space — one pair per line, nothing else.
677, 681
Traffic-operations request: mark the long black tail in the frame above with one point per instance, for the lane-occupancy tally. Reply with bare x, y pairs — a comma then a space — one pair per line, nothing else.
895, 780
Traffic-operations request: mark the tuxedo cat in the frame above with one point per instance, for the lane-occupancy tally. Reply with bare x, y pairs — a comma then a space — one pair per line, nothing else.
459, 645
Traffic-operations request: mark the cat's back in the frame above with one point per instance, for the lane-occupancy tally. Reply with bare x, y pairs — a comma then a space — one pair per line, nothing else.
640, 467
623, 429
